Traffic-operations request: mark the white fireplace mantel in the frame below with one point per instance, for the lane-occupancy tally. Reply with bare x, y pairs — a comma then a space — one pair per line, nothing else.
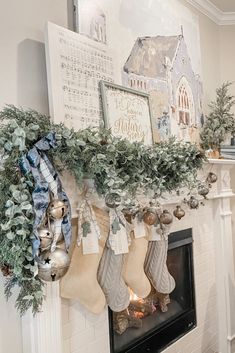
42, 333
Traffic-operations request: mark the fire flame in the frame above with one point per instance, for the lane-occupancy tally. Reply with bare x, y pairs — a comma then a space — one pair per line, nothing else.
133, 296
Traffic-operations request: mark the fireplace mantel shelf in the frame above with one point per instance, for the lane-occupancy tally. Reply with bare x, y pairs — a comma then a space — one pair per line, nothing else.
222, 161
174, 200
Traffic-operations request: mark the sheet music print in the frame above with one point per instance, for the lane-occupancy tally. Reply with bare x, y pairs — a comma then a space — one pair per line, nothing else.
81, 64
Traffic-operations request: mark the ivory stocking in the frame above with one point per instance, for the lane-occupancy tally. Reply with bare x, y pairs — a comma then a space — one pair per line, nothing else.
80, 282
133, 269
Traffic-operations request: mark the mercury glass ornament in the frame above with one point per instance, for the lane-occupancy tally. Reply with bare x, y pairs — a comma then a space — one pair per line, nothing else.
166, 217
203, 190
113, 200
54, 265
193, 202
179, 212
46, 238
150, 216
212, 178
57, 209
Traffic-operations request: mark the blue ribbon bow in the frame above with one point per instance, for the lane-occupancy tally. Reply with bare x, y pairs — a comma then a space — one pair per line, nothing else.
29, 163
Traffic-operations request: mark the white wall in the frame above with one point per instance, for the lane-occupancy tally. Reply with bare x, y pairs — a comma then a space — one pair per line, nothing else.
227, 55
23, 82
22, 59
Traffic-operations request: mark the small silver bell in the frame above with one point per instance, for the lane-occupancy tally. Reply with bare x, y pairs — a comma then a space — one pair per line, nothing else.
54, 265
57, 209
113, 200
46, 238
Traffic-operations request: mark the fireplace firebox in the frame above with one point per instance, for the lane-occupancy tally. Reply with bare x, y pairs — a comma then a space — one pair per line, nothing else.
155, 324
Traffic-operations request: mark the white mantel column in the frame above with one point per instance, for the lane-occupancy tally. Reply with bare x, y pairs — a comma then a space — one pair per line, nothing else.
42, 333
224, 254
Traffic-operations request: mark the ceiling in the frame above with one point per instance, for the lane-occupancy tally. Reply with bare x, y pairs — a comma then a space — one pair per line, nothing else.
225, 5
222, 12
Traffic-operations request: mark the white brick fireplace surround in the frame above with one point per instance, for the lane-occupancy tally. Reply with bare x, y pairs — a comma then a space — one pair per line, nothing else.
65, 327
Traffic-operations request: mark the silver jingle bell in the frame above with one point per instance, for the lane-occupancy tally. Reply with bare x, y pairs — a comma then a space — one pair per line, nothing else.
166, 217
113, 200
193, 202
212, 178
203, 190
57, 209
54, 265
46, 238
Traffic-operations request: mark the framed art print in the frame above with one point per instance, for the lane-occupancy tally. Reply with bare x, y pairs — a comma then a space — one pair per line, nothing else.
127, 112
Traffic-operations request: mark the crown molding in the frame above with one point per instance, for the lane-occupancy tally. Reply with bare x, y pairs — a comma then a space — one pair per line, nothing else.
213, 12
228, 18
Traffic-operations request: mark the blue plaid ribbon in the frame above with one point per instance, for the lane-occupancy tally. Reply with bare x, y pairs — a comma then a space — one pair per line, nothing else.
41, 195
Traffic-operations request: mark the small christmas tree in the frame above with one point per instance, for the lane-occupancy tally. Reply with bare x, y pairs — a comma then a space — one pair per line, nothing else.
220, 121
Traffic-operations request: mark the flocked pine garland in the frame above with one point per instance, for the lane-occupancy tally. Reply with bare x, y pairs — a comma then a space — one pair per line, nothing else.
115, 165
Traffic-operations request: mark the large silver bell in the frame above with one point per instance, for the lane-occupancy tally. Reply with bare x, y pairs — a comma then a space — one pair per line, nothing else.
46, 238
57, 209
54, 265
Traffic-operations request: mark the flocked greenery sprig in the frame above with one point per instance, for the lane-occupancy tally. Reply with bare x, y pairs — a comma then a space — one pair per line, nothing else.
114, 164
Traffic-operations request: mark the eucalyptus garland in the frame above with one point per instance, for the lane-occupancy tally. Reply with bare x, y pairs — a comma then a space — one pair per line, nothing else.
115, 165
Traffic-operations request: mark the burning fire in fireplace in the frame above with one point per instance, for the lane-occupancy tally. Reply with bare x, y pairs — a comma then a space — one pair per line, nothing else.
138, 309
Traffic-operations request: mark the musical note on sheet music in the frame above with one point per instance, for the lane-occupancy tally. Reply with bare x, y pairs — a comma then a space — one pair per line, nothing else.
75, 66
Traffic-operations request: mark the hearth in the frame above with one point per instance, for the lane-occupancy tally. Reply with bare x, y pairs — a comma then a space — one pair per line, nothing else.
159, 320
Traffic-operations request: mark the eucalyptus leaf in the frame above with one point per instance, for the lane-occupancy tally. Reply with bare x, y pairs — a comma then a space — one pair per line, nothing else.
9, 203
28, 297
8, 146
10, 235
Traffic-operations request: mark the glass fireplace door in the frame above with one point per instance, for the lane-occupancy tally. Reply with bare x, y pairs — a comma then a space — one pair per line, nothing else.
154, 326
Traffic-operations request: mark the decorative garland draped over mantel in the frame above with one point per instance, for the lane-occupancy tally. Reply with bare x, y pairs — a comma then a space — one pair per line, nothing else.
32, 146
